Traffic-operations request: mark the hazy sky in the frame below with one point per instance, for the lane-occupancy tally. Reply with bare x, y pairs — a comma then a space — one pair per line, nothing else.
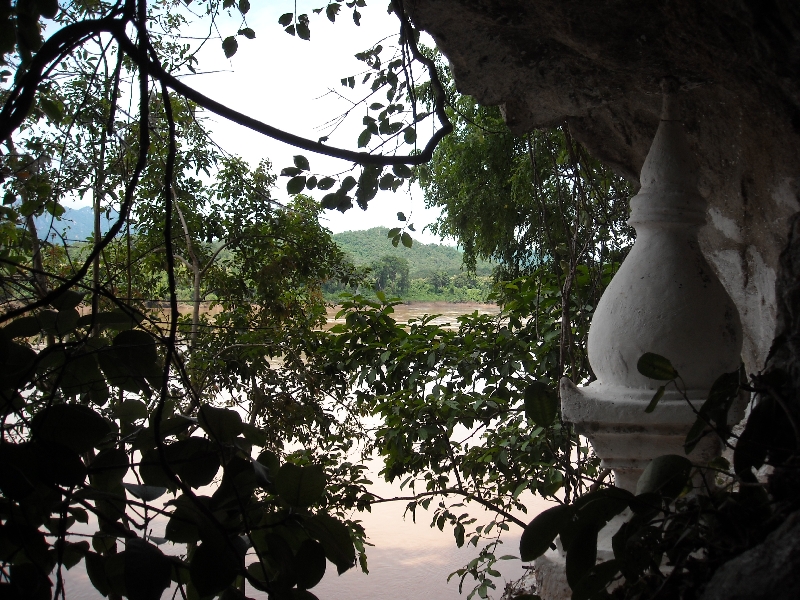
286, 82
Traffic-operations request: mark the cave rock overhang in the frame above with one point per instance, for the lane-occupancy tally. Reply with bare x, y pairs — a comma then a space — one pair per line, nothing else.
597, 67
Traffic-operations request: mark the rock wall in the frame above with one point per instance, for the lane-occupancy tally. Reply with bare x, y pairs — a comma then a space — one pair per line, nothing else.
598, 66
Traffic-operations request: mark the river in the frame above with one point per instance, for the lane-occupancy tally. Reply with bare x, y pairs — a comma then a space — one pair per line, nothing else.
407, 559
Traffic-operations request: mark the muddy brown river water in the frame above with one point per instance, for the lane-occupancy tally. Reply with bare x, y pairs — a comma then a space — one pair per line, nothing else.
407, 560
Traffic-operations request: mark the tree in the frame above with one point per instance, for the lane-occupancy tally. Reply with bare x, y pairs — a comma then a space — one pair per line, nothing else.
109, 404
391, 274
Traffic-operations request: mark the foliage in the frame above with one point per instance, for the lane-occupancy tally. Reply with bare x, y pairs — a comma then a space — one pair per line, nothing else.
469, 414
678, 535
549, 200
111, 397
364, 247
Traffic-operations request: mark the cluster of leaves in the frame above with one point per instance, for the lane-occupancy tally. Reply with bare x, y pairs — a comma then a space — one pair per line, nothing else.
675, 534
469, 414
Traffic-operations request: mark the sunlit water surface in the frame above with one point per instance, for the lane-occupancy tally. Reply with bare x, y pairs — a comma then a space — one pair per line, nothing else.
407, 560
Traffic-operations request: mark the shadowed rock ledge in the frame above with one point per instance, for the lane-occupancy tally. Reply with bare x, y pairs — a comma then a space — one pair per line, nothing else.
597, 66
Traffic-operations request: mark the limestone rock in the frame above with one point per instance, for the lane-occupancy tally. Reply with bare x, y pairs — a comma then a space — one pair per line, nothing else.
768, 571
597, 66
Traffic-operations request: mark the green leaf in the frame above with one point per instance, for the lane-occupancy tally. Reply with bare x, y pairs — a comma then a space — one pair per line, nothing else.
221, 424
387, 181
402, 171
364, 138
348, 184
406, 239
52, 110
148, 493
309, 564
296, 184
666, 475
131, 410
335, 539
332, 10
109, 468
66, 300
326, 183
74, 426
285, 19
291, 172
147, 570
301, 162
300, 486
248, 33
401, 216
194, 460
394, 232
24, 327
596, 580
244, 6
541, 532
213, 568
230, 46
541, 404
656, 397
409, 135
303, 32
696, 433
657, 367
582, 555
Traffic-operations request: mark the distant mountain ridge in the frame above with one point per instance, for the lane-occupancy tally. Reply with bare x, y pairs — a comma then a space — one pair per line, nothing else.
76, 224
369, 245
364, 246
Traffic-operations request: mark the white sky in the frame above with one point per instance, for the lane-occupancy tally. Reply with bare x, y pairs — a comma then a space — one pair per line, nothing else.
283, 81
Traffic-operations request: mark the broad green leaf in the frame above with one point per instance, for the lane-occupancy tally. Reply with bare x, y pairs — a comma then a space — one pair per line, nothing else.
148, 493
406, 239
248, 33
409, 135
213, 568
401, 216
296, 184
244, 6
23, 327
303, 32
194, 460
666, 475
230, 46
582, 555
108, 468
131, 410
348, 183
300, 486
147, 570
309, 564
221, 424
57, 464
542, 530
301, 162
364, 138
697, 432
326, 183
291, 172
656, 367
74, 426
402, 171
541, 404
596, 580
335, 539
67, 299
52, 110
285, 19
656, 397
394, 232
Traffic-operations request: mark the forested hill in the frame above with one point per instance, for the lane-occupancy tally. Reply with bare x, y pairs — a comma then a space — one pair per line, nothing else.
368, 246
